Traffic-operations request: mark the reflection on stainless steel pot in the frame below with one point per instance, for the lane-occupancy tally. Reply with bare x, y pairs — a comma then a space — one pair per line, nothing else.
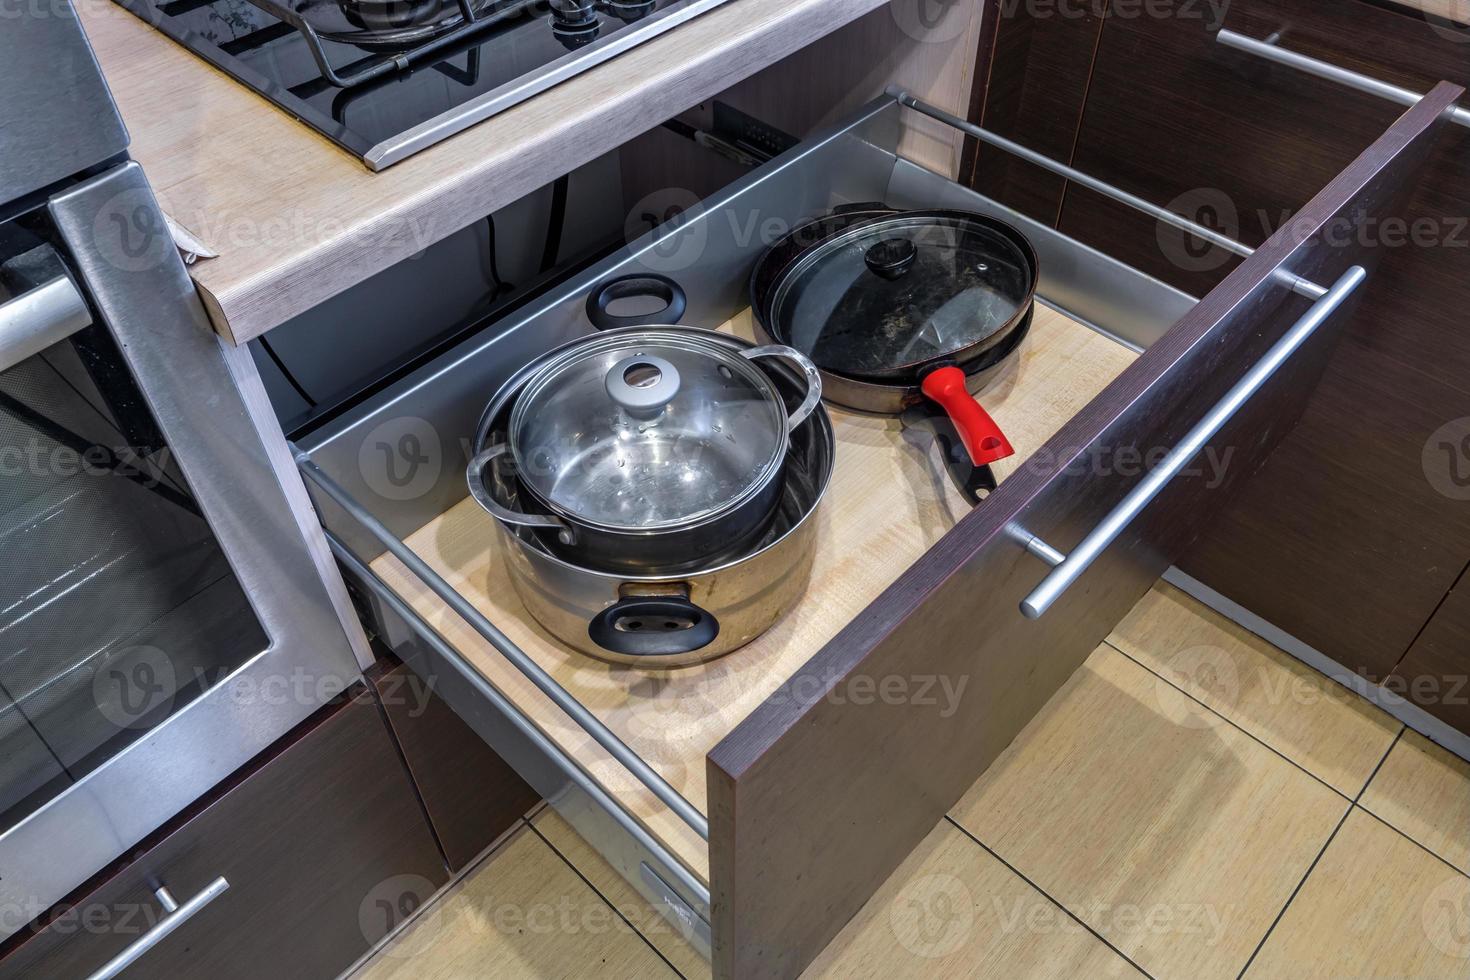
683, 612
648, 448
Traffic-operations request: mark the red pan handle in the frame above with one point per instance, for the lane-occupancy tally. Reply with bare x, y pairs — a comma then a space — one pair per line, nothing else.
982, 437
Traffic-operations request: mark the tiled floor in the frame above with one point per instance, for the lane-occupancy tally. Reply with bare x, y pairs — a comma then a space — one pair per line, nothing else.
1193, 804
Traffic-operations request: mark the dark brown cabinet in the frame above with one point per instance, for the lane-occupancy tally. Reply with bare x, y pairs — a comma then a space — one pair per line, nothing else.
1344, 540
1435, 675
470, 794
324, 849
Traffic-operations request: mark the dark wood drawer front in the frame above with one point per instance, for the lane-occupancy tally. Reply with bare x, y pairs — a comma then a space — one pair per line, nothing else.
1240, 143
471, 794
1436, 673
324, 847
875, 738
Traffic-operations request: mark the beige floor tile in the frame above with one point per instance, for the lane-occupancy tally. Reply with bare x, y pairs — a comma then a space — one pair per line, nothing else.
525, 914
1317, 723
651, 924
1168, 830
1424, 791
952, 910
1376, 905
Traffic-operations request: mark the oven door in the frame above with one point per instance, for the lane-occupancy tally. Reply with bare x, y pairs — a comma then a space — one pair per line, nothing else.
162, 616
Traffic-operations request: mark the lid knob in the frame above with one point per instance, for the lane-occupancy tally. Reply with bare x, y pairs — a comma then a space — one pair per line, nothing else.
642, 384
891, 257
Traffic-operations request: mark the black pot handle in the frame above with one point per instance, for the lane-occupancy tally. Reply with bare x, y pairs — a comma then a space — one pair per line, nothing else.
653, 626
640, 284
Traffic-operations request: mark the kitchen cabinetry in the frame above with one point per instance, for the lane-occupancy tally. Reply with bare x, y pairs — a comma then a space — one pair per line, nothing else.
1435, 674
470, 794
761, 798
1344, 540
322, 848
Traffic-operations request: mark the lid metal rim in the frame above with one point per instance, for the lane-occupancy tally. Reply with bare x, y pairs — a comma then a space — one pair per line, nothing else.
821, 250
689, 339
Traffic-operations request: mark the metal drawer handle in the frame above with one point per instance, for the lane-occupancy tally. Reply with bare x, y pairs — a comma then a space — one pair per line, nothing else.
1067, 568
38, 318
175, 915
1333, 73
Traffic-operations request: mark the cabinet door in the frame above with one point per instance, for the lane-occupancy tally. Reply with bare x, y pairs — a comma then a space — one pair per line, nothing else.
1342, 542
472, 796
823, 790
1435, 675
324, 848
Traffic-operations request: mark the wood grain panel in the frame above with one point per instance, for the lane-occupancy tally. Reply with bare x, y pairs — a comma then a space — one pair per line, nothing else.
472, 796
1435, 673
296, 220
1240, 144
1038, 67
887, 504
324, 846
816, 798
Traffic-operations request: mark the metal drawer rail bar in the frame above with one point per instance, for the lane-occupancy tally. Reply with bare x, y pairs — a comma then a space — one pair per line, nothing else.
1069, 567
1300, 286
1270, 51
533, 671
524, 725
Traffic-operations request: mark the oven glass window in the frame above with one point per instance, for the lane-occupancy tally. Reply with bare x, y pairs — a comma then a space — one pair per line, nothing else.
117, 605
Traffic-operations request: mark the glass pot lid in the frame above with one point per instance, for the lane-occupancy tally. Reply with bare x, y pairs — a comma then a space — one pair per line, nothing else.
893, 294
648, 429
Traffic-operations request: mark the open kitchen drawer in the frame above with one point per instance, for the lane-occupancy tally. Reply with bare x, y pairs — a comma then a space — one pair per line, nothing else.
761, 798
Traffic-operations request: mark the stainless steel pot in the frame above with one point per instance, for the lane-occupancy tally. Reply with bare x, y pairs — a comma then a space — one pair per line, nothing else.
669, 619
647, 448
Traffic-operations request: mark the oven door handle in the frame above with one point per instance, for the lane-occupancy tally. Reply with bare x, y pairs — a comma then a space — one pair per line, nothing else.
39, 317
174, 916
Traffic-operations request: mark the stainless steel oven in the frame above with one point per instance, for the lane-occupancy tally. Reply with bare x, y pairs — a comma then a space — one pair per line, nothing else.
164, 612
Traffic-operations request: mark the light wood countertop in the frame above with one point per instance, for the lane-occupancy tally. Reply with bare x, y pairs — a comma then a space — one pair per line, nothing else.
296, 220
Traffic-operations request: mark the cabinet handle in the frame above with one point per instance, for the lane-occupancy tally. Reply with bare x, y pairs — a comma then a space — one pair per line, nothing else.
175, 915
1067, 568
39, 317
1333, 73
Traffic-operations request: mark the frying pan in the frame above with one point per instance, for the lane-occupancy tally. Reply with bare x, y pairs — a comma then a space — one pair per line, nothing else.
869, 362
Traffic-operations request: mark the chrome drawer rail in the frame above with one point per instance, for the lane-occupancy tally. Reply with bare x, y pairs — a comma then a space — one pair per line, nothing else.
568, 766
1268, 50
1301, 287
1068, 568
533, 671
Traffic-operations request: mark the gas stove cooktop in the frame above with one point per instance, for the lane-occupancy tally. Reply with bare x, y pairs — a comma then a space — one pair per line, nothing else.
387, 78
